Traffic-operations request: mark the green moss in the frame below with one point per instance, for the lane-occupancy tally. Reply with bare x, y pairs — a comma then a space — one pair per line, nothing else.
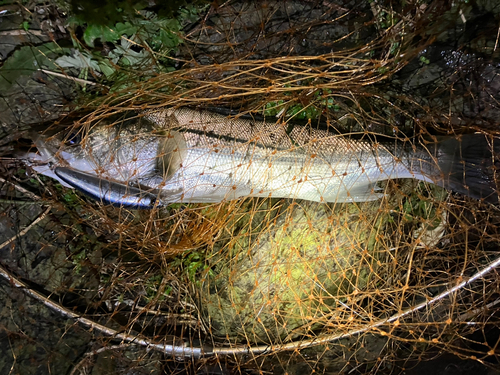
280, 283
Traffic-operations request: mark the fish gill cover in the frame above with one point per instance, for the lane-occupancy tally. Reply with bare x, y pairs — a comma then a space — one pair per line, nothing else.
241, 283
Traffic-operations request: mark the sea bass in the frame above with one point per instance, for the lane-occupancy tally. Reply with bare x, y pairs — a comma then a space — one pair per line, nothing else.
193, 156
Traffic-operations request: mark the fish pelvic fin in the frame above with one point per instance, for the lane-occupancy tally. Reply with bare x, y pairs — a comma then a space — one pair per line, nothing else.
468, 164
360, 193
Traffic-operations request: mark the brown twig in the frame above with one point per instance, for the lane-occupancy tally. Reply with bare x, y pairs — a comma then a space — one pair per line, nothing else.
21, 189
74, 79
25, 230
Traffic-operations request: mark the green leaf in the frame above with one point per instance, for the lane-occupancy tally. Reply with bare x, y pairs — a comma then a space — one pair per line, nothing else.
78, 60
125, 61
189, 13
165, 69
105, 33
170, 24
424, 60
27, 60
394, 48
166, 39
107, 68
125, 29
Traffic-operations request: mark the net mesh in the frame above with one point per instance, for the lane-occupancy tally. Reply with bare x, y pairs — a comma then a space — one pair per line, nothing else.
272, 285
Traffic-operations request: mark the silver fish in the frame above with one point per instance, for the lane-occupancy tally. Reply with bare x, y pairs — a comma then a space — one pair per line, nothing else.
185, 155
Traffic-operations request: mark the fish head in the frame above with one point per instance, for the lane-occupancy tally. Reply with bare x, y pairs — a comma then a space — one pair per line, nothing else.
128, 148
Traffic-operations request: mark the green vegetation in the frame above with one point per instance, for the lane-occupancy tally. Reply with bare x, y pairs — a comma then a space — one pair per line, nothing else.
27, 60
142, 42
423, 203
193, 263
112, 42
424, 60
320, 100
110, 12
153, 285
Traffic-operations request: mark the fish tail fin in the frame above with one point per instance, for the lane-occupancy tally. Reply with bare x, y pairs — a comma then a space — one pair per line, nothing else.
468, 164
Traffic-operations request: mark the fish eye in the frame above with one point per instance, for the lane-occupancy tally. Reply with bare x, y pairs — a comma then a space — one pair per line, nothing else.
73, 139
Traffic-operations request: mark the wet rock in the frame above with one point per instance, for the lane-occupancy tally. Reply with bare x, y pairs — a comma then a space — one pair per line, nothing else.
285, 282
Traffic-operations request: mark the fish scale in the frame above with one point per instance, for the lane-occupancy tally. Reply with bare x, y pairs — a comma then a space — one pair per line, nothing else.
232, 158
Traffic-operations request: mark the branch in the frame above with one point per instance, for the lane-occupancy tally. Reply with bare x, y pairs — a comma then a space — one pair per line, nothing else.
74, 79
174, 350
21, 189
